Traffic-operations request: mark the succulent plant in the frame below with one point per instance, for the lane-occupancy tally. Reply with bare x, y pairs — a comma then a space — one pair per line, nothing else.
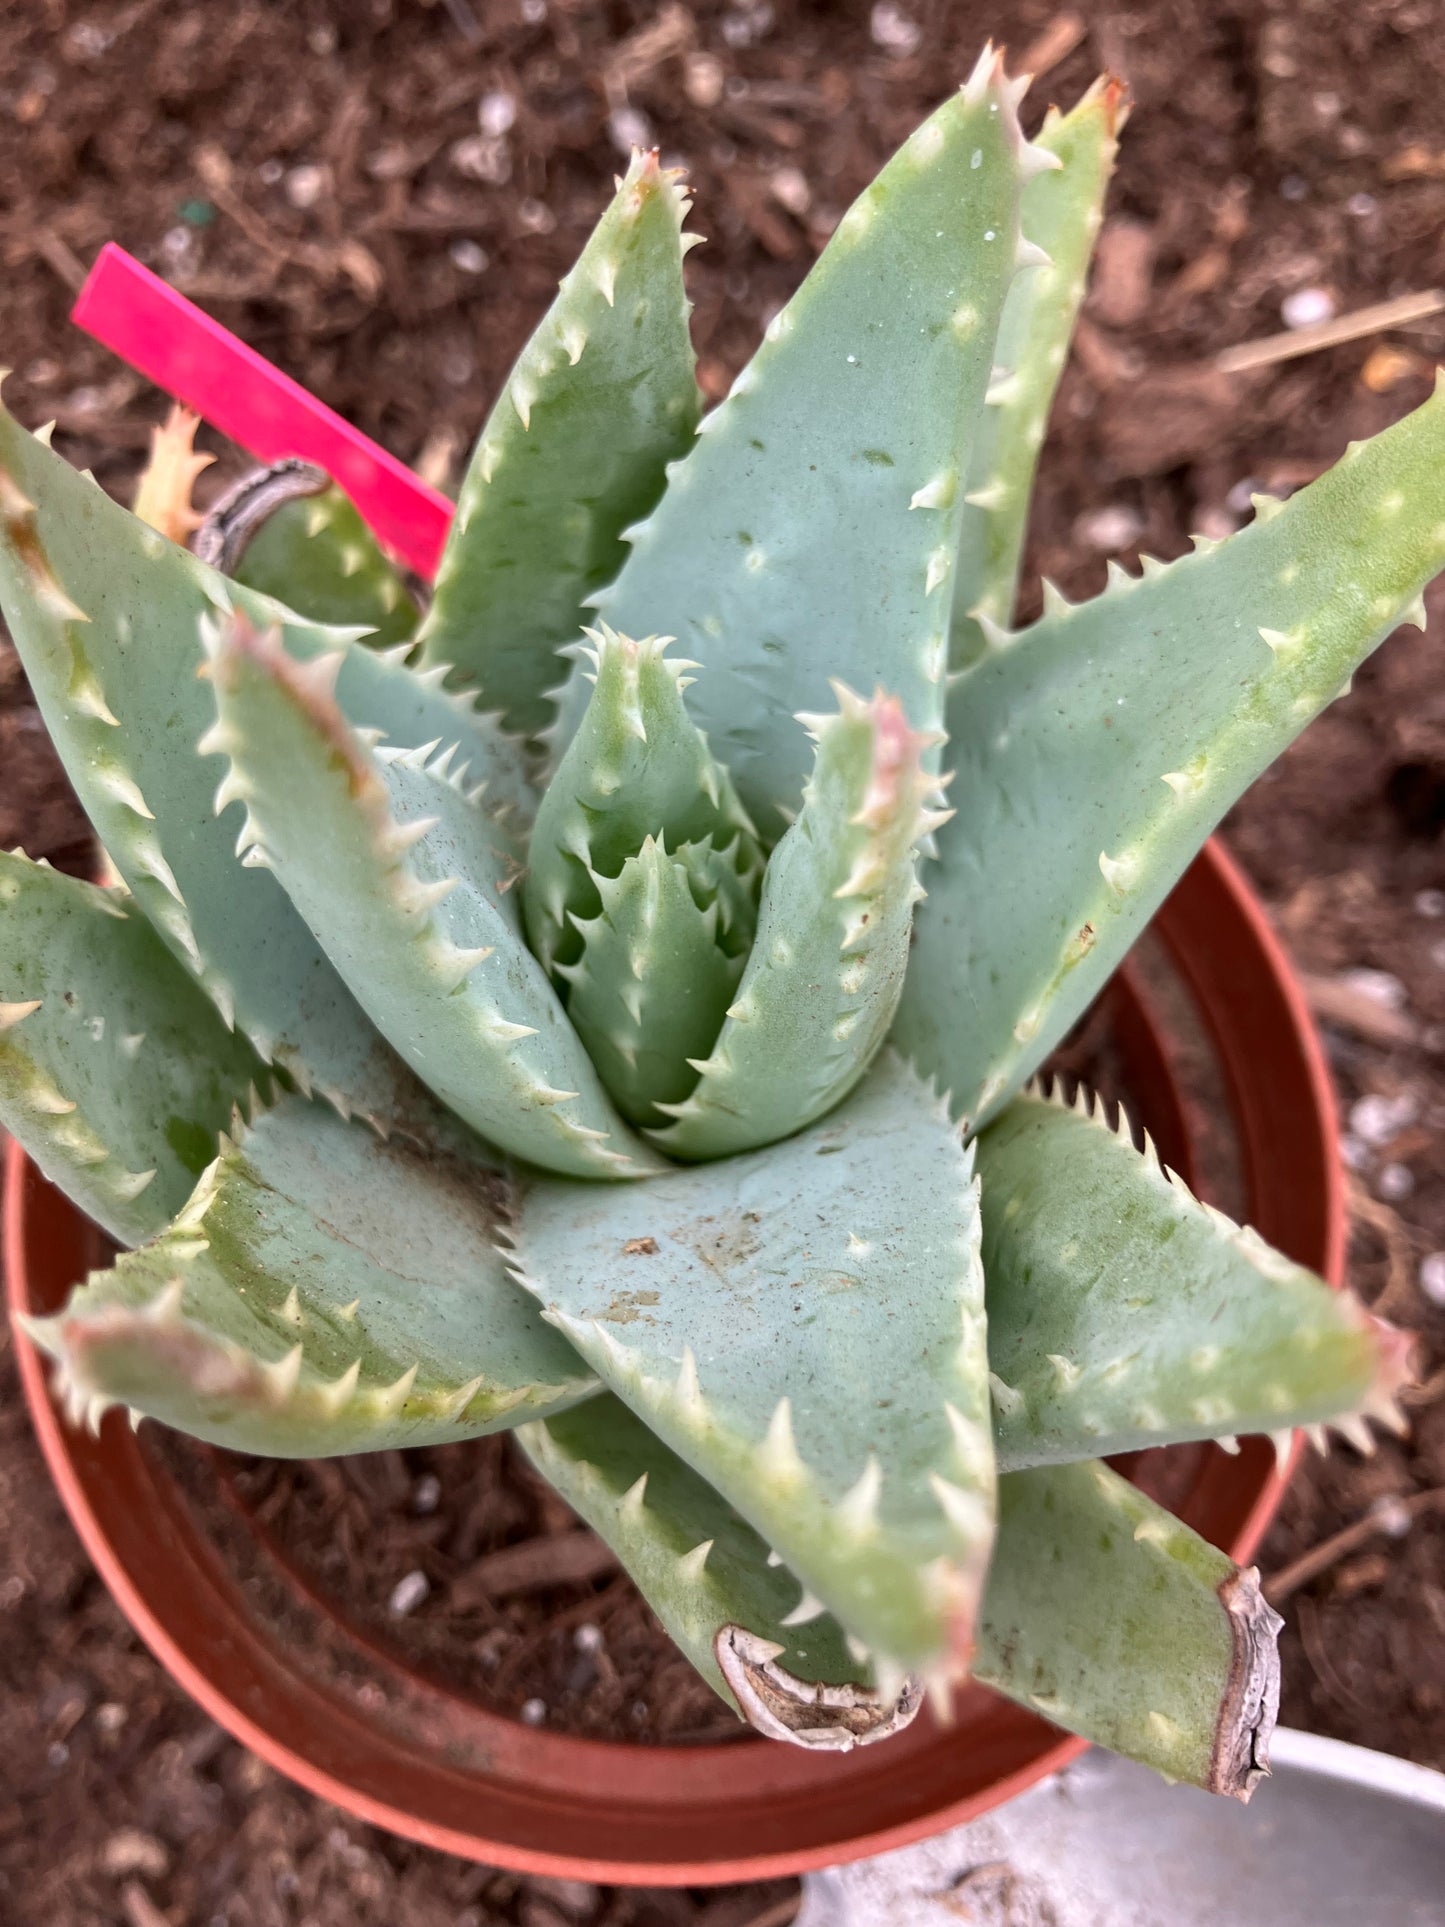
572, 1017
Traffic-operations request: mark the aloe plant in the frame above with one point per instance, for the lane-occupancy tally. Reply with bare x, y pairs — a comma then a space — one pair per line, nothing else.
611, 1006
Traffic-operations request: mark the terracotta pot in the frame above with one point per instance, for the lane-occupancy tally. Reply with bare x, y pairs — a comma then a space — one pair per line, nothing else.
425, 1761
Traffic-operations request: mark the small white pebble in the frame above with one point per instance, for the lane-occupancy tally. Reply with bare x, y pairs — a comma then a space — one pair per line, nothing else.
1432, 1277
533, 12
892, 30
304, 186
1355, 1154
269, 172
533, 1712
1361, 206
1392, 1516
790, 189
89, 39
535, 217
1306, 307
470, 257
702, 79
131, 1851
1109, 529
1395, 1181
426, 1493
407, 1594
496, 113
629, 129
178, 246
392, 161
588, 1638
1437, 955
1377, 1119
744, 26
1378, 986
1430, 903
482, 159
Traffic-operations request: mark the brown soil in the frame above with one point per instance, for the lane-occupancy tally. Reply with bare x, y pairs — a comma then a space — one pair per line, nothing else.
1273, 149
517, 1606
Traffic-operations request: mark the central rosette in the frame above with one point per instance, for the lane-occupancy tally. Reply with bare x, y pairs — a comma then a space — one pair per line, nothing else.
738, 995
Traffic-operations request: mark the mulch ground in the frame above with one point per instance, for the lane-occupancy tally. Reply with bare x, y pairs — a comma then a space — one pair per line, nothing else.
381, 197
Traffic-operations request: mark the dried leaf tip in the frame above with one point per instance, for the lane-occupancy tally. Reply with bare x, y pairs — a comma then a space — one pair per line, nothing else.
988, 71
1396, 1369
895, 757
310, 686
163, 494
1113, 97
17, 512
824, 1719
1250, 1703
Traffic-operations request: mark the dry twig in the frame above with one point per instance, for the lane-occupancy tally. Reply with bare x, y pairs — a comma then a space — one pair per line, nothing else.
1338, 1002
1399, 1255
58, 255
780, 1914
1396, 313
1380, 1518
1052, 45
560, 1559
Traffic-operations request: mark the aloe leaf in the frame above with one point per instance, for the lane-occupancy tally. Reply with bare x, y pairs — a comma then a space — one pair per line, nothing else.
290, 533
638, 767
1094, 752
577, 447
1061, 212
708, 1577
378, 694
730, 875
1123, 1313
406, 877
116, 1073
804, 1326
827, 967
1115, 1621
812, 531
648, 992
321, 1292
106, 615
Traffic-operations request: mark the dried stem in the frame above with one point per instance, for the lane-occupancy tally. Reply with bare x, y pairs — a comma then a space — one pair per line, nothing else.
1299, 1572
1329, 334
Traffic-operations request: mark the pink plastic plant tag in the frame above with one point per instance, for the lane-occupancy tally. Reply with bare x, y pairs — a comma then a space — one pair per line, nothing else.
182, 350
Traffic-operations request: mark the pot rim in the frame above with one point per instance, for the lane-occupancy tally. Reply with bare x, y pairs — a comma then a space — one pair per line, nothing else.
564, 1800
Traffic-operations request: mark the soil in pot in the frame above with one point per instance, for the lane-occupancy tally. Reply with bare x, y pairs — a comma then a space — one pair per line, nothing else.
463, 1563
